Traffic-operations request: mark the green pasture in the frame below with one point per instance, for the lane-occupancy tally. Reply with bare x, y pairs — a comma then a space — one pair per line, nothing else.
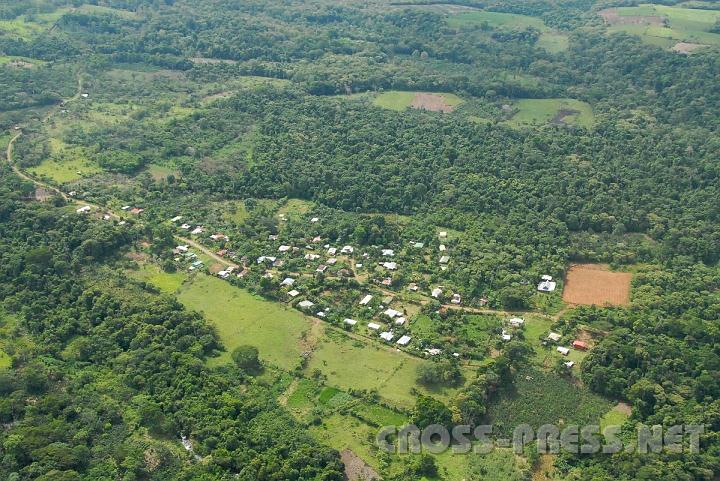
401, 100
542, 111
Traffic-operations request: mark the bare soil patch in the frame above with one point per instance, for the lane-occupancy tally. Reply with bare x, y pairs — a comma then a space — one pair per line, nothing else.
686, 48
355, 468
42, 194
432, 102
559, 118
594, 284
612, 17
20, 64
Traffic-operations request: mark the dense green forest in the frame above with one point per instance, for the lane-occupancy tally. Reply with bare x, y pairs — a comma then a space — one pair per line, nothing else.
432, 158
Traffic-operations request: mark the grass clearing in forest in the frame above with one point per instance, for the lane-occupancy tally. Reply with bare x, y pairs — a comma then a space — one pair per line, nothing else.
167, 282
399, 101
495, 19
5, 360
242, 318
65, 164
349, 363
664, 25
560, 111
594, 284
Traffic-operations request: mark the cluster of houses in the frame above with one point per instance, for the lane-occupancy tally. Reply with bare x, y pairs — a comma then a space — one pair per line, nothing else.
554, 337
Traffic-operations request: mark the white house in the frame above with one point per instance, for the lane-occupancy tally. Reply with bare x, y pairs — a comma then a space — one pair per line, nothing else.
305, 304
197, 230
373, 326
404, 340
314, 220
288, 281
293, 293
185, 226
563, 350
391, 313
400, 321
443, 248
444, 259
347, 250
437, 292
418, 245
516, 322
388, 252
176, 218
350, 322
284, 248
83, 210
505, 336
569, 364
442, 235
312, 257
391, 266
387, 336
547, 284
332, 251
456, 299
365, 300
332, 261
434, 351
183, 248
554, 336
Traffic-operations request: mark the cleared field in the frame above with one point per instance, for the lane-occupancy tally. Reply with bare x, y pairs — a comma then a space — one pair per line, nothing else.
559, 111
241, 318
165, 281
616, 416
495, 19
65, 164
161, 172
553, 42
593, 284
352, 364
664, 25
4, 360
397, 100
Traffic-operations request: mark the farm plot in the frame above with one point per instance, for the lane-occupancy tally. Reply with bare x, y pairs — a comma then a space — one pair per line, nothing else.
435, 102
241, 318
551, 40
593, 284
539, 398
560, 111
683, 29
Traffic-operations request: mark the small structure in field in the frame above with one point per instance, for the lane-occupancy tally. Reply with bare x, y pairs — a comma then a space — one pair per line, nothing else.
293, 293
321, 269
391, 266
400, 321
350, 322
388, 252
554, 337
387, 336
516, 322
547, 284
580, 345
563, 350
288, 281
456, 299
373, 326
392, 313
366, 300
437, 292
305, 304
284, 248
569, 364
404, 340
387, 282
347, 250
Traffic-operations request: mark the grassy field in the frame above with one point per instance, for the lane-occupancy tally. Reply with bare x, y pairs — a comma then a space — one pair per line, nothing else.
544, 398
615, 417
553, 42
689, 25
495, 19
542, 111
348, 363
4, 360
160, 172
65, 164
241, 318
165, 281
398, 100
